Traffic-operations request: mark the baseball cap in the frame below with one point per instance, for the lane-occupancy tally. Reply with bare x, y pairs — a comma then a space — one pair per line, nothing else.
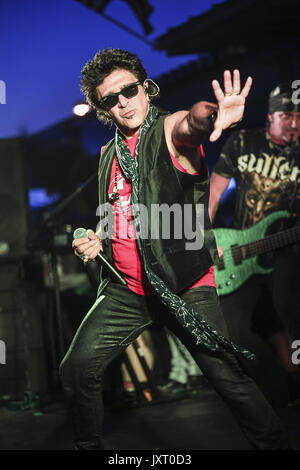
281, 99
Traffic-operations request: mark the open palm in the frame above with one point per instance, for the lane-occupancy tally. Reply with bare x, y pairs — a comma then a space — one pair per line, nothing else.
231, 102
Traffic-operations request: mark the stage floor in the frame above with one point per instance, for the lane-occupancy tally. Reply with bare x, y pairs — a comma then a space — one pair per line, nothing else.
201, 423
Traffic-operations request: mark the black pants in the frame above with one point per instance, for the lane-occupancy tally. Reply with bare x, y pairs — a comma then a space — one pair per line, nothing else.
115, 320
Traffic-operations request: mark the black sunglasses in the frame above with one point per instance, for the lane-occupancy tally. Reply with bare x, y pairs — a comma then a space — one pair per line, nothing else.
129, 91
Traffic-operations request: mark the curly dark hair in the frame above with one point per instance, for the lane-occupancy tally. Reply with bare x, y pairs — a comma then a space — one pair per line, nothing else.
105, 62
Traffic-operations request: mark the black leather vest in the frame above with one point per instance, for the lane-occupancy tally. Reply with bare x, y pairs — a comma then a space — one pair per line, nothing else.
170, 253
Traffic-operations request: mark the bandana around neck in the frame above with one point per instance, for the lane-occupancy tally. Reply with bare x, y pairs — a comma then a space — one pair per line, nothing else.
201, 331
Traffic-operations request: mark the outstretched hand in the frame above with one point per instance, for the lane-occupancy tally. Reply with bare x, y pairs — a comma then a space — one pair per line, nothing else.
231, 102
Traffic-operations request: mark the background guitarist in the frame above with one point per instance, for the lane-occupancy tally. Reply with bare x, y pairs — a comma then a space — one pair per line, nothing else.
265, 163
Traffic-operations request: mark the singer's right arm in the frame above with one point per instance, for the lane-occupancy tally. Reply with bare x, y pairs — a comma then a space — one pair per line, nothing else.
90, 246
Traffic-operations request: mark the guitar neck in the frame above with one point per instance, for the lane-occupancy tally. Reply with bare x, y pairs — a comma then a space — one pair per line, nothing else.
271, 242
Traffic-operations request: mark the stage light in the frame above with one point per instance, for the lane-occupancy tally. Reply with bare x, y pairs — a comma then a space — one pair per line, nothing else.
81, 109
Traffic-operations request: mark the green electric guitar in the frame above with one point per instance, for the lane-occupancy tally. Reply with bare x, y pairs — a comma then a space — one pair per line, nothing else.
242, 248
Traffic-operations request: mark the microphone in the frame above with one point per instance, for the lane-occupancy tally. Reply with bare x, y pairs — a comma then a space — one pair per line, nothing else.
82, 232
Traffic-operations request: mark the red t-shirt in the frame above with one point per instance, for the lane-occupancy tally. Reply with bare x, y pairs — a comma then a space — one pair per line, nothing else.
125, 252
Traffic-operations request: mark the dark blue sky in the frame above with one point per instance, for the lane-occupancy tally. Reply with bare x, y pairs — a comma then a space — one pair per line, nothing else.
45, 43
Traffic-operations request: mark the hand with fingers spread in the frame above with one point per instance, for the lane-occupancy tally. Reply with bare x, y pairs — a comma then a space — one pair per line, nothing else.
231, 102
87, 248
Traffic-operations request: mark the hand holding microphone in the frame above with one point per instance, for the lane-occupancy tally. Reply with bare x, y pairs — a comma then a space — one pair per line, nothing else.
88, 246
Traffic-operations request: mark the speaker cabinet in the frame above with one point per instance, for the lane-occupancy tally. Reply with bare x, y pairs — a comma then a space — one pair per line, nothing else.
21, 329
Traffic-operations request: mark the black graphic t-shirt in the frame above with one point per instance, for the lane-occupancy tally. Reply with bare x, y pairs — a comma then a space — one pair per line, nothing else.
267, 175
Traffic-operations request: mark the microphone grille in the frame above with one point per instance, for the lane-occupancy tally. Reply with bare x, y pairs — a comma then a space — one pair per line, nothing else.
80, 233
